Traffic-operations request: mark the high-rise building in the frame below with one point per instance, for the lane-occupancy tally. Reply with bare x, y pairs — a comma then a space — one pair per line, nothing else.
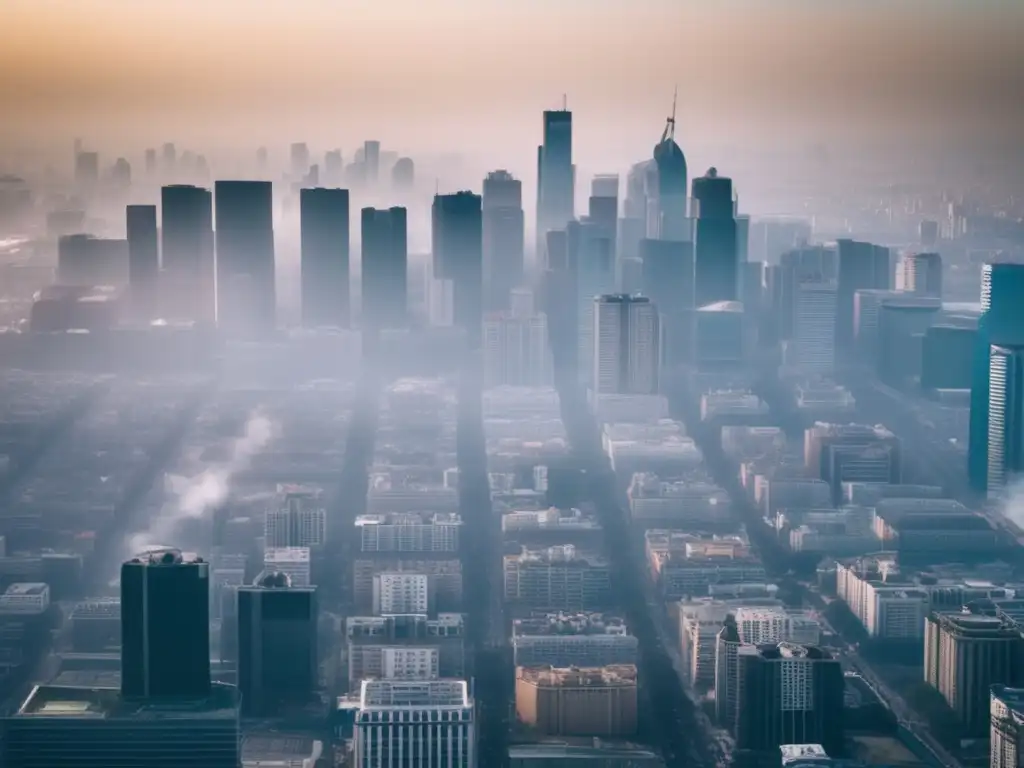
964, 656
672, 222
852, 453
187, 280
1001, 324
789, 694
603, 208
457, 238
587, 701
627, 345
716, 269
516, 350
169, 160
293, 562
1005, 417
861, 265
1006, 735
667, 279
246, 292
297, 518
556, 176
377, 645
814, 333
77, 726
503, 238
371, 160
385, 268
143, 261
299, 159
277, 645
806, 264
324, 232
87, 170
572, 640
165, 633
150, 162
409, 532
415, 724
591, 260
922, 274
86, 261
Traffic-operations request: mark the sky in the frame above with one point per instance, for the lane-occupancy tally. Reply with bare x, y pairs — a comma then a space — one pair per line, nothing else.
432, 75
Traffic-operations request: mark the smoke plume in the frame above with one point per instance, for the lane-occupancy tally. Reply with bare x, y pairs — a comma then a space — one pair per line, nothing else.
194, 497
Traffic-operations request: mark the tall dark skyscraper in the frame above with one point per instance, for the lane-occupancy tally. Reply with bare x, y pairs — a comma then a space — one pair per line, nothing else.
716, 270
861, 265
165, 632
324, 230
385, 268
277, 650
503, 238
556, 176
187, 282
246, 295
143, 261
457, 222
672, 190
1001, 324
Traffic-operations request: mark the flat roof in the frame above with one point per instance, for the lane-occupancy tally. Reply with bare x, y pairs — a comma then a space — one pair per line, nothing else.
62, 701
279, 746
27, 588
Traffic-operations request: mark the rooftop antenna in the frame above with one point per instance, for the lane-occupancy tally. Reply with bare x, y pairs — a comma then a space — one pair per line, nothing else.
670, 124
565, 103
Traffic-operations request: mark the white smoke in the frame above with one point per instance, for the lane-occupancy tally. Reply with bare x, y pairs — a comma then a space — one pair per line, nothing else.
194, 497
1013, 502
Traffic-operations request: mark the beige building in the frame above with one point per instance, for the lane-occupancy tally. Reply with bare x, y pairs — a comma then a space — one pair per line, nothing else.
589, 701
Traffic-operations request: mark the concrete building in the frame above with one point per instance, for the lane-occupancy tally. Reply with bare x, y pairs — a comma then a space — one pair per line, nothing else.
852, 453
75, 727
557, 578
813, 348
397, 593
516, 350
593, 701
627, 345
922, 274
964, 656
297, 518
681, 504
414, 724
444, 577
572, 640
1006, 734
887, 606
685, 565
25, 597
409, 532
379, 647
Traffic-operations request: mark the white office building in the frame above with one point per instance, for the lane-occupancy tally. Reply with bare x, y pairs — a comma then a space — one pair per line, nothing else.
414, 724
410, 663
627, 345
410, 531
400, 593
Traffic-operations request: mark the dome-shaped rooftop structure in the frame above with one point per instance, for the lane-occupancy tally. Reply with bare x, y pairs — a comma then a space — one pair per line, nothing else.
273, 580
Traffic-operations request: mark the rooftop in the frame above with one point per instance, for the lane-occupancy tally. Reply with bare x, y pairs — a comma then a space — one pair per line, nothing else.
389, 694
569, 624
27, 588
579, 677
409, 518
106, 704
275, 747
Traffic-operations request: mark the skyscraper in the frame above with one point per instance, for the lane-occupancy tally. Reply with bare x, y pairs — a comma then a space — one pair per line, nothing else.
143, 261
668, 280
296, 518
592, 263
556, 176
806, 264
503, 238
716, 270
165, 633
627, 345
324, 230
672, 176
922, 274
789, 694
246, 292
371, 160
861, 265
277, 644
457, 237
515, 350
187, 282
1001, 324
814, 333
1005, 417
385, 268
299, 159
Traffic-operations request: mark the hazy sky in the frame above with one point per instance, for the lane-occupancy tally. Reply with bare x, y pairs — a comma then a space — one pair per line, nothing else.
474, 74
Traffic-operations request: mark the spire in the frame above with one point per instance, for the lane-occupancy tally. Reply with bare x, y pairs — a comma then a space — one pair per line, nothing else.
670, 124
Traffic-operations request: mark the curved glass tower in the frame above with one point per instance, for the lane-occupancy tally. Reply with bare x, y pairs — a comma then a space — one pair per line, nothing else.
672, 189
